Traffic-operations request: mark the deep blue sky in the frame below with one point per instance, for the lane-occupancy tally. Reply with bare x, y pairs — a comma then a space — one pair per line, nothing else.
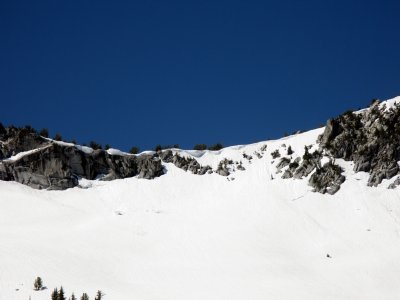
147, 72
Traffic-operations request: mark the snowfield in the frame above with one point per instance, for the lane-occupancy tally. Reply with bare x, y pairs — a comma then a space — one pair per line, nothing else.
248, 236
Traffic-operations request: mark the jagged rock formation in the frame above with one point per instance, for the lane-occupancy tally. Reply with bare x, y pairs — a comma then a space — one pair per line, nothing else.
370, 138
223, 167
185, 163
292, 168
310, 163
58, 166
395, 184
327, 179
282, 163
14, 140
299, 168
275, 154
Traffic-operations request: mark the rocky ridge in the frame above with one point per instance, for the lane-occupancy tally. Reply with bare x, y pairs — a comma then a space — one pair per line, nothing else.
48, 164
370, 138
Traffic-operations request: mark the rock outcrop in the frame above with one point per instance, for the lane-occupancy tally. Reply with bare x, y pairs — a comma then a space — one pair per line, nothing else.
327, 179
58, 166
310, 163
14, 140
185, 163
395, 183
370, 138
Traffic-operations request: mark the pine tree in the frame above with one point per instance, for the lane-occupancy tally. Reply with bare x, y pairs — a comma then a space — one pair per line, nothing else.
72, 297
54, 294
2, 129
61, 295
85, 297
200, 147
94, 145
216, 147
134, 150
38, 284
99, 295
44, 132
58, 137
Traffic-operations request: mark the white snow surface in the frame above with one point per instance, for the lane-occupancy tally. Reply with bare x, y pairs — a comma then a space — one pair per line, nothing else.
113, 151
390, 103
184, 236
22, 154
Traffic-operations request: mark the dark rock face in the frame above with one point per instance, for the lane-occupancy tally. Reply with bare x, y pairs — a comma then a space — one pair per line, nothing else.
223, 167
42, 169
309, 163
395, 184
56, 166
14, 140
282, 163
327, 179
292, 168
370, 138
299, 170
185, 163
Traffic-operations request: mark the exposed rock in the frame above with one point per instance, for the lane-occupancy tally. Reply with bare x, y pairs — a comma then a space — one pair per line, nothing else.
290, 150
240, 167
395, 184
275, 154
166, 156
332, 130
304, 170
363, 164
222, 172
292, 168
287, 174
386, 170
282, 163
259, 156
180, 162
223, 167
309, 163
58, 166
15, 140
248, 157
327, 179
205, 169
149, 167
184, 163
370, 138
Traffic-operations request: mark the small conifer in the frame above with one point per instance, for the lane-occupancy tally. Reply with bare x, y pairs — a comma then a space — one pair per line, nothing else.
54, 294
38, 284
61, 295
85, 296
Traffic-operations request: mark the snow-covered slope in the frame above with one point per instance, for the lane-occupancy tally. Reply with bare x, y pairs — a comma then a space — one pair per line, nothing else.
251, 235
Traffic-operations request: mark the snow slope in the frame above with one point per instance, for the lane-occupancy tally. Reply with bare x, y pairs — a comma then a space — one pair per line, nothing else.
251, 235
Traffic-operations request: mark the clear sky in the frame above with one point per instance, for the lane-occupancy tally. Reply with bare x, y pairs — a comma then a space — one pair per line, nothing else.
164, 72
